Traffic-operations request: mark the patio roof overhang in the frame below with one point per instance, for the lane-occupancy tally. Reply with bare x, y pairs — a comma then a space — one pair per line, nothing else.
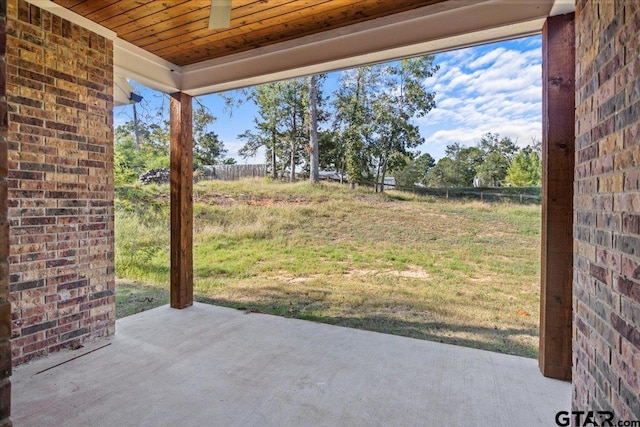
437, 27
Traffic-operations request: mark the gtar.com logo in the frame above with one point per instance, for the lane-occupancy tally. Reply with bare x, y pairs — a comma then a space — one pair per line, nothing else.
585, 418
591, 419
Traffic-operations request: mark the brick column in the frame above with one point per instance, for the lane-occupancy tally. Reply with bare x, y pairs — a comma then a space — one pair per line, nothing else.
606, 297
5, 306
60, 182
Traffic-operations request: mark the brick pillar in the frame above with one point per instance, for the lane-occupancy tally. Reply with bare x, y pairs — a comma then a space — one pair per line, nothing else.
5, 306
606, 362
60, 182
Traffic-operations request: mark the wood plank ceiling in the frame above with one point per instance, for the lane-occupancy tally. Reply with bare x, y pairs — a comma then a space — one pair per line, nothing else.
176, 30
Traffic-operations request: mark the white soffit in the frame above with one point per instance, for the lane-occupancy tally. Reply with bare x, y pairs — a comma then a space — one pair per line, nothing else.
146, 68
121, 90
440, 27
562, 7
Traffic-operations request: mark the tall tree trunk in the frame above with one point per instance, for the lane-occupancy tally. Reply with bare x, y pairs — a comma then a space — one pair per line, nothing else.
136, 133
294, 136
314, 173
274, 163
377, 178
292, 173
383, 174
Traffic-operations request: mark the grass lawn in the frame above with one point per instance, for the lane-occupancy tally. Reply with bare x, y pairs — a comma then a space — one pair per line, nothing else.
459, 272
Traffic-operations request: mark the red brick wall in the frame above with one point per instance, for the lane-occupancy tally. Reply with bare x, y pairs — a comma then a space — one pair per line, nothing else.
60, 96
5, 307
606, 298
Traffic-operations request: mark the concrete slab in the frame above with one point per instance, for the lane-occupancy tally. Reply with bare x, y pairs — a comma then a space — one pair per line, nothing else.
213, 366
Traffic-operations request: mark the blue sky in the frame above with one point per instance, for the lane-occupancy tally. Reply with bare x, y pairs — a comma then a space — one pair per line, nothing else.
492, 88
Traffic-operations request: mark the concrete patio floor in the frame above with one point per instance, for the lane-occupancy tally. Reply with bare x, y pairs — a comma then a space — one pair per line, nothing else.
213, 366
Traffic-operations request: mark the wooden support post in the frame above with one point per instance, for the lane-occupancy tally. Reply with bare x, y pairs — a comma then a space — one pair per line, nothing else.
181, 200
558, 142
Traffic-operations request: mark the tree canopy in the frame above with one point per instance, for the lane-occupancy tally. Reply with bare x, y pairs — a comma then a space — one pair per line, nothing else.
152, 150
494, 161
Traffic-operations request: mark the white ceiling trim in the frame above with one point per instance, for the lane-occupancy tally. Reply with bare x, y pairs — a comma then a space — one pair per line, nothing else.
146, 68
562, 7
444, 26
418, 32
195, 83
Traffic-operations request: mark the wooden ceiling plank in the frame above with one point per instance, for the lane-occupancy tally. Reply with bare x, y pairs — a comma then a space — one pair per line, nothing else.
167, 20
183, 24
164, 42
200, 28
120, 7
85, 7
198, 49
69, 3
150, 14
152, 20
178, 31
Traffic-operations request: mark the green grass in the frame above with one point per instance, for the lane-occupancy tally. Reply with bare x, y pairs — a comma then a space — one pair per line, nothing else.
132, 298
459, 272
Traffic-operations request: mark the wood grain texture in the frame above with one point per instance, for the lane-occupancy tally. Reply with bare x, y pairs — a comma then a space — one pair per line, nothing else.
181, 200
558, 142
177, 30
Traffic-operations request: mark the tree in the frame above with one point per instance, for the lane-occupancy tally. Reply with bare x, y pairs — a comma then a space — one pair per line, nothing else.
295, 133
525, 169
415, 171
267, 132
131, 159
282, 125
207, 147
375, 107
331, 151
403, 97
313, 129
443, 174
465, 161
498, 154
152, 148
128, 164
353, 119
424, 163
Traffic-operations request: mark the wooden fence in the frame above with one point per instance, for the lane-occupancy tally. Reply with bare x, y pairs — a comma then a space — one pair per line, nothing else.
234, 172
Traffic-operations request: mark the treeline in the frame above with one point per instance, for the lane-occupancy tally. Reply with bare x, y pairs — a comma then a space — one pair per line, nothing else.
365, 131
492, 162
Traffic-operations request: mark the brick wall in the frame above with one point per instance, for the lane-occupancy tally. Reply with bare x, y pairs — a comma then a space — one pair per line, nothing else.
5, 307
606, 301
60, 96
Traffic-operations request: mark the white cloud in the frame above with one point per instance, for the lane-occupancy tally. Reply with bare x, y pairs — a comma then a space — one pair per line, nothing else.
486, 59
495, 88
